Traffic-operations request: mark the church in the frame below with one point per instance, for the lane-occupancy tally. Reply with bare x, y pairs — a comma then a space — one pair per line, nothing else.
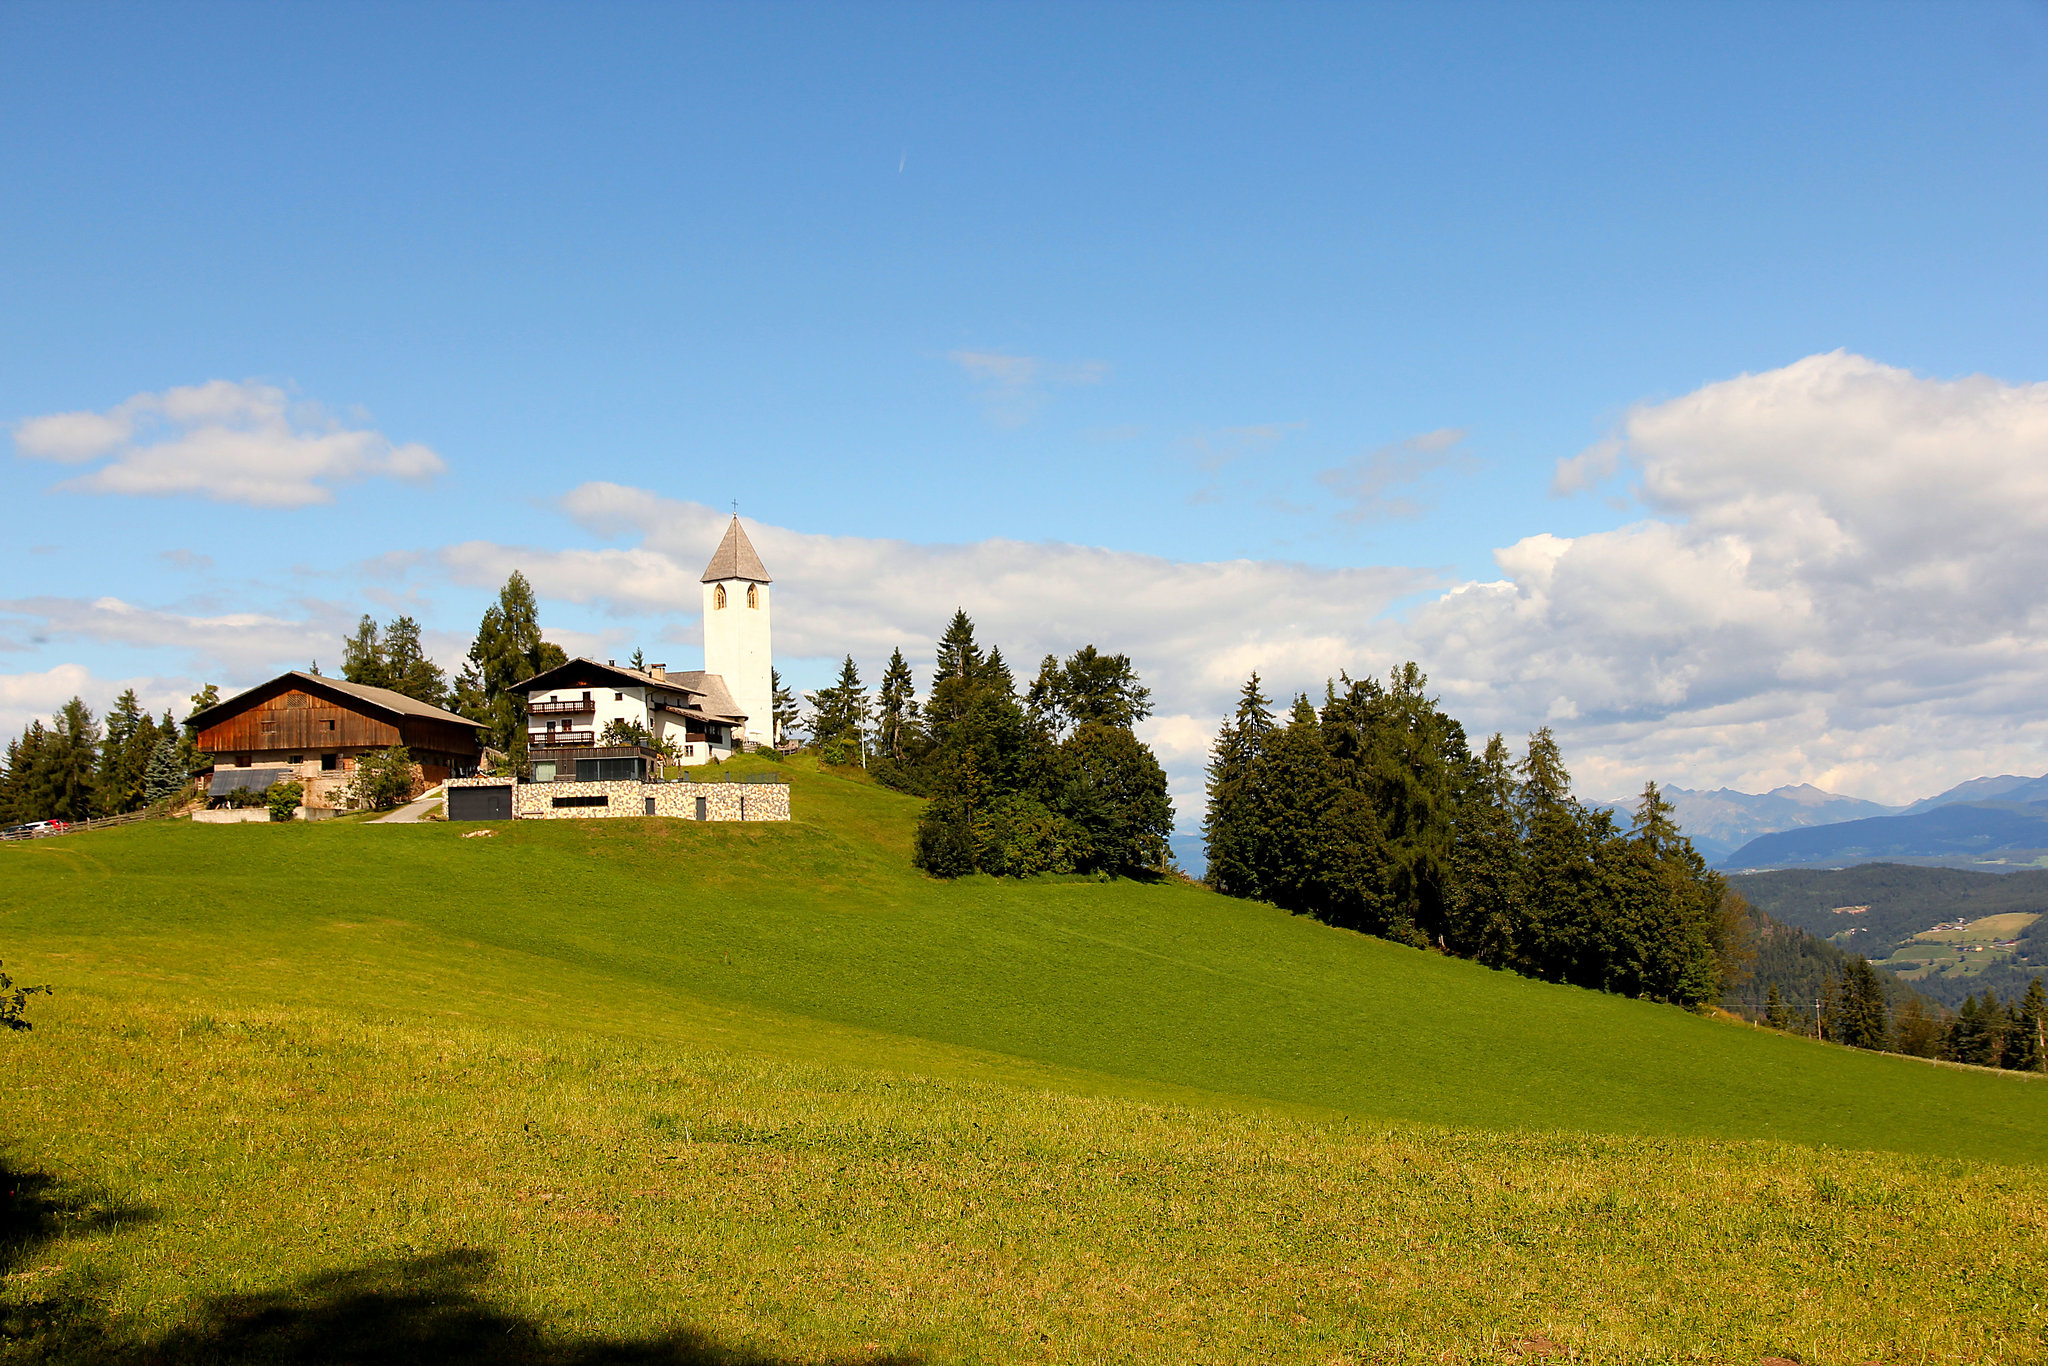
695, 716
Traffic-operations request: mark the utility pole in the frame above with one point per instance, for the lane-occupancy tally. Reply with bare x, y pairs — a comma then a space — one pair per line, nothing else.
1820, 1030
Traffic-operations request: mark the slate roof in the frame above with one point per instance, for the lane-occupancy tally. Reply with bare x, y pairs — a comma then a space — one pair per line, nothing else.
735, 558
383, 698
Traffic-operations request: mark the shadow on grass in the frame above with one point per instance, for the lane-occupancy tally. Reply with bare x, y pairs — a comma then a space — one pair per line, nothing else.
407, 1311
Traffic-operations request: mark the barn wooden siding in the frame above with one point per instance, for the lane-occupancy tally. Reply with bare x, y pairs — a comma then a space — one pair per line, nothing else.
298, 721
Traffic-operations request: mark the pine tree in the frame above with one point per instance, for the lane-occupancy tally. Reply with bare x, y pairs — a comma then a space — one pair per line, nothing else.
166, 777
1235, 827
1485, 913
959, 658
2026, 1040
1560, 933
784, 706
895, 710
1861, 1020
362, 656
406, 666
839, 718
60, 784
638, 661
508, 649
1777, 1014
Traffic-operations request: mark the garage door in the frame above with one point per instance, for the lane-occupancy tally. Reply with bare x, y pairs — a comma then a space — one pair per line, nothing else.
480, 803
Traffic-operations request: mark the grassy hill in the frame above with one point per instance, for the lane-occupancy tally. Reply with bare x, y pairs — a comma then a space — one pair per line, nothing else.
625, 1090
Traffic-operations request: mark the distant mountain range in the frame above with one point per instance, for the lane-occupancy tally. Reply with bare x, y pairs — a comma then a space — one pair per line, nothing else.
1990, 824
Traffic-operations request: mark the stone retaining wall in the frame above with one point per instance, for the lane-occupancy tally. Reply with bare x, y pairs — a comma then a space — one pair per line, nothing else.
722, 801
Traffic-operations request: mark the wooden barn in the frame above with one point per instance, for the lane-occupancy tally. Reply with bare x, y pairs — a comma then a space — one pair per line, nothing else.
317, 726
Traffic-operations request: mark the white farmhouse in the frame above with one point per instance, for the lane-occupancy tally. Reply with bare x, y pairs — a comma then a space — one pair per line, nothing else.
705, 714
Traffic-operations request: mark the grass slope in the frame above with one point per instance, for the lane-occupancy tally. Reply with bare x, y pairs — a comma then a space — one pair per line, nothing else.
823, 920
638, 1091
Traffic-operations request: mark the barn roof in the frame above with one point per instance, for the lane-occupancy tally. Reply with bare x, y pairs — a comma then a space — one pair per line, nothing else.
369, 698
735, 558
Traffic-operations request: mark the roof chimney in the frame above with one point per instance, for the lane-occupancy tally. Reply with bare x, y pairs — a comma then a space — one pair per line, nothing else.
660, 671
612, 663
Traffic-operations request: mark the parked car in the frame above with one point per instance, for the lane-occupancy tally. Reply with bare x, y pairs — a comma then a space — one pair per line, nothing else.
17, 832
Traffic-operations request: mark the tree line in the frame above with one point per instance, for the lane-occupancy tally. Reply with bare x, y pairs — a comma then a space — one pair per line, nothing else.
1371, 812
1853, 1009
77, 767
1051, 779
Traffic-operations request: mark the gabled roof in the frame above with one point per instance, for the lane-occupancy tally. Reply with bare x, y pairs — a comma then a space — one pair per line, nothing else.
378, 699
708, 691
735, 558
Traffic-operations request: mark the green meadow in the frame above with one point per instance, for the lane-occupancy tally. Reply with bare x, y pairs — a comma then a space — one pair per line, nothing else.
658, 1091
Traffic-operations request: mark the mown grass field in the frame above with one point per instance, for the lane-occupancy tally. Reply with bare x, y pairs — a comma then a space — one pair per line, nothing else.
624, 1091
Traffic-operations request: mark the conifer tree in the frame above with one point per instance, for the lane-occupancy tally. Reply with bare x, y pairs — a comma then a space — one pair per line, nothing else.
895, 710
839, 718
197, 761
508, 649
783, 706
1484, 915
1861, 1020
166, 776
407, 669
2026, 1039
1777, 1014
1236, 826
362, 655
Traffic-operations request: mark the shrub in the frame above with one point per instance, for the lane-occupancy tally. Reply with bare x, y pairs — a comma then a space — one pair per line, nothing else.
12, 1000
945, 840
383, 779
284, 799
1018, 836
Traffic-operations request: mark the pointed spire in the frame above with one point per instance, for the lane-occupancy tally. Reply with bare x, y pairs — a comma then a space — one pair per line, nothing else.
735, 558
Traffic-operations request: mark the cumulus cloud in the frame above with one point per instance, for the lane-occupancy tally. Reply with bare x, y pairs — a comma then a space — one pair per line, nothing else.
1013, 389
1840, 583
27, 697
233, 443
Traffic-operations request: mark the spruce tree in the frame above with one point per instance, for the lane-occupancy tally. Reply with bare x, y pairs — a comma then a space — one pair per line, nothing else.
166, 776
197, 761
895, 710
1777, 1014
2026, 1040
839, 718
784, 706
1485, 911
508, 649
407, 669
1236, 825
362, 655
1861, 1020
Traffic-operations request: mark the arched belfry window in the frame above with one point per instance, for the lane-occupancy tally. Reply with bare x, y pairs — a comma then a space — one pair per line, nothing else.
753, 595
718, 598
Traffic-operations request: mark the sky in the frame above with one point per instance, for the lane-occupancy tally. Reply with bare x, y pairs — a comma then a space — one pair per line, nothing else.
1672, 376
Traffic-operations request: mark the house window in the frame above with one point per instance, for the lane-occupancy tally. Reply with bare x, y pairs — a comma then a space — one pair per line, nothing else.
599, 800
753, 595
718, 598
295, 699
329, 762
544, 772
328, 725
689, 751
618, 697
297, 759
586, 697
241, 761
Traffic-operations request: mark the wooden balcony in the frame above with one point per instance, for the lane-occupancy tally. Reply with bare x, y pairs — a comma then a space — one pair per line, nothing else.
559, 708
561, 739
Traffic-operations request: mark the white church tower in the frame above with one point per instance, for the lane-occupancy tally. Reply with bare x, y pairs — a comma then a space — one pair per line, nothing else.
736, 631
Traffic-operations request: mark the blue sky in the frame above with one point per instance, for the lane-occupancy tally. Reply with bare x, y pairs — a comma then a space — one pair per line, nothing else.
1022, 306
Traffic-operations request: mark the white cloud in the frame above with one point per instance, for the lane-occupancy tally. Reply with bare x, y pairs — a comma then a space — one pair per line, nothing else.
1013, 389
30, 697
1841, 584
237, 647
233, 443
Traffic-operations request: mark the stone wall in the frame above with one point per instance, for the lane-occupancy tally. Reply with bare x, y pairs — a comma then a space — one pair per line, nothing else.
678, 801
